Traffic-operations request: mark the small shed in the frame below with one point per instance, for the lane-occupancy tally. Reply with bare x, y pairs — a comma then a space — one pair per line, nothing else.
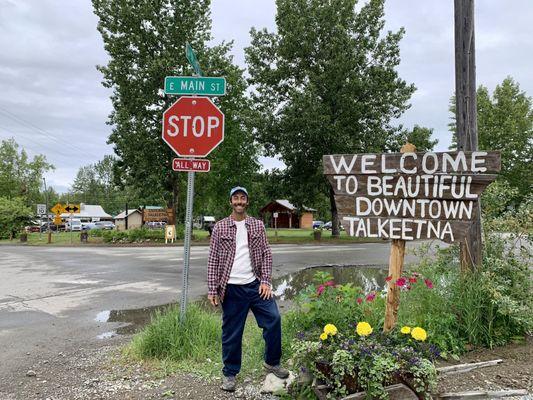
135, 219
288, 215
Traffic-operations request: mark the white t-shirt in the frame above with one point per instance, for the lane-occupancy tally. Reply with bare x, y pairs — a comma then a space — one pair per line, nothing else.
241, 271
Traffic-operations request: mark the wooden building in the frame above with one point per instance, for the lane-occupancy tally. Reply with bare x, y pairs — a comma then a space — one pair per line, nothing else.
288, 215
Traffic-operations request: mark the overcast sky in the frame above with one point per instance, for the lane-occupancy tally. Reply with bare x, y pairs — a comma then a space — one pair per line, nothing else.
52, 101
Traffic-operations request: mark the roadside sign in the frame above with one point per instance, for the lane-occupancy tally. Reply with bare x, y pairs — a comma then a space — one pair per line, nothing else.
41, 209
170, 233
58, 209
185, 164
275, 215
193, 126
204, 86
191, 57
57, 219
72, 208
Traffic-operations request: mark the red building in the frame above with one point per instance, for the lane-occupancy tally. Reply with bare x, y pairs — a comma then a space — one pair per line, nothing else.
288, 215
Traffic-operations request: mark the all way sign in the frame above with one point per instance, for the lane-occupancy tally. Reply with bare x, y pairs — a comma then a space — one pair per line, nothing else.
185, 164
200, 85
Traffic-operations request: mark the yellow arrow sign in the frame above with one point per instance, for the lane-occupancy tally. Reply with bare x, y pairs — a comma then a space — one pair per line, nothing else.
58, 209
57, 219
72, 208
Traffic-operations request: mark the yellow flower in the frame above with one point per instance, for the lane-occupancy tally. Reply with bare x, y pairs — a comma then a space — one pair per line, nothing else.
419, 334
405, 330
363, 329
330, 329
324, 336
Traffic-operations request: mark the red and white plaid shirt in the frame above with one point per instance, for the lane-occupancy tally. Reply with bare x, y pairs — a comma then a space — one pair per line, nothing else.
222, 253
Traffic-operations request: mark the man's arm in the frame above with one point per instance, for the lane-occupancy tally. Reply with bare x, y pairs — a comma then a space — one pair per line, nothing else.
266, 266
212, 264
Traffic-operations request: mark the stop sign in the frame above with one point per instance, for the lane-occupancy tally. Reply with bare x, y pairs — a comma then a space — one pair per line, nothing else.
193, 126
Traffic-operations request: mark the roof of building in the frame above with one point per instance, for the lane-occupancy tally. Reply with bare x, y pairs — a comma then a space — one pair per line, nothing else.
285, 204
88, 211
122, 215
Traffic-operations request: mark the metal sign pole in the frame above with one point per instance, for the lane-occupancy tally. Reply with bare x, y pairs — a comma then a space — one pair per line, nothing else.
187, 245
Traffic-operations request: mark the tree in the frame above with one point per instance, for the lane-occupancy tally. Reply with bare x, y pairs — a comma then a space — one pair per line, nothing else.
146, 42
325, 83
21, 177
420, 137
505, 123
14, 215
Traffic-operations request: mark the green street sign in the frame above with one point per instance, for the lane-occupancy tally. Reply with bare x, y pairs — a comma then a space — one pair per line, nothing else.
215, 86
189, 53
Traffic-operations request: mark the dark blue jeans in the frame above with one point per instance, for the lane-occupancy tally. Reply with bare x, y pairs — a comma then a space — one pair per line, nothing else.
238, 300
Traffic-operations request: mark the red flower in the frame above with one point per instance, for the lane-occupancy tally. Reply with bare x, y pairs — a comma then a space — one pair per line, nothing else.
388, 278
359, 300
370, 296
408, 287
329, 283
320, 289
401, 281
428, 283
412, 279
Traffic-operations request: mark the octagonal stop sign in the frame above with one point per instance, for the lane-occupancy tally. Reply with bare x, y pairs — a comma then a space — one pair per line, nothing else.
193, 126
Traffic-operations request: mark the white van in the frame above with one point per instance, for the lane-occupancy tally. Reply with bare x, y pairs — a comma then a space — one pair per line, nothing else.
74, 225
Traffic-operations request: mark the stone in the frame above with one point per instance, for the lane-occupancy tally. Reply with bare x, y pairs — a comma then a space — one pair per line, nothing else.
31, 373
273, 384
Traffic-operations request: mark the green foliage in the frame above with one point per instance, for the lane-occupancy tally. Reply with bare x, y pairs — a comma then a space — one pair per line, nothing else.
138, 234
14, 215
19, 176
519, 220
325, 83
420, 137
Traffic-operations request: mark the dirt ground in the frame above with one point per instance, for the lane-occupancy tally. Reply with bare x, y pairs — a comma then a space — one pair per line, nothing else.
94, 374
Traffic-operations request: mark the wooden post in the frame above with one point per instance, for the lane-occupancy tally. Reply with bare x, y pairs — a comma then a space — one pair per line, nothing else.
466, 114
397, 255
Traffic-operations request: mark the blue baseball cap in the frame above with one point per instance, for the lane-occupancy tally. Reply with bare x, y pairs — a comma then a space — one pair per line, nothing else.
238, 189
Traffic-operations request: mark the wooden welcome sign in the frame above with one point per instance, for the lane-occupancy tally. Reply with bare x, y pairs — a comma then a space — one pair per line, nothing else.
409, 196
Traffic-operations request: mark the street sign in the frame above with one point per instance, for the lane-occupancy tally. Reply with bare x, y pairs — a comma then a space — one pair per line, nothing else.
41, 209
57, 219
58, 209
72, 208
193, 126
184, 164
191, 57
205, 86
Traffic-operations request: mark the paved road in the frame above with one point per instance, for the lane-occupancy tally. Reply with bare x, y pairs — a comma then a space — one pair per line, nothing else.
52, 299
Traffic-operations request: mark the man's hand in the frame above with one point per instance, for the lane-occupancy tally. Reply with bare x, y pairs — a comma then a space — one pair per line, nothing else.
213, 299
265, 291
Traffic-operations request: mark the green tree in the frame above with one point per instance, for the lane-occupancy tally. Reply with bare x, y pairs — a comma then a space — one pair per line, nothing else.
325, 83
14, 215
505, 123
146, 41
20, 176
420, 137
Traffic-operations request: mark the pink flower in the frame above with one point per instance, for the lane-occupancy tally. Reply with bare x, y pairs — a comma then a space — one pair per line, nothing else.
388, 278
320, 289
359, 300
329, 283
370, 296
401, 281
428, 283
412, 279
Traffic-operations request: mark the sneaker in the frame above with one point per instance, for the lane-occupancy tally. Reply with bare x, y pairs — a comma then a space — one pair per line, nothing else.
228, 384
277, 370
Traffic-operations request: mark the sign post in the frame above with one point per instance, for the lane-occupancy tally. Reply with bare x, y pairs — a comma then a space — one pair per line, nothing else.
409, 196
192, 127
41, 209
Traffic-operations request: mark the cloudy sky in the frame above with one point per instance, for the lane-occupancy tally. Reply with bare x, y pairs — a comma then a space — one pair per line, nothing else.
52, 101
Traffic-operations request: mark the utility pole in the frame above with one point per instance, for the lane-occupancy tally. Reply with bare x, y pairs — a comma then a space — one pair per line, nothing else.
126, 219
47, 214
466, 114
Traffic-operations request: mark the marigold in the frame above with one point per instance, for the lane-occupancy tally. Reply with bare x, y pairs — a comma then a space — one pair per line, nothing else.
405, 330
363, 329
419, 334
330, 329
323, 336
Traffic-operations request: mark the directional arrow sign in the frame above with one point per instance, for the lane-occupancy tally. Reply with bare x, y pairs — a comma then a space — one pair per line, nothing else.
191, 57
58, 209
72, 208
205, 86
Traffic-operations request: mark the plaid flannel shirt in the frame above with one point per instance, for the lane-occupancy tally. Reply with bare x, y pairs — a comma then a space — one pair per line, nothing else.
222, 253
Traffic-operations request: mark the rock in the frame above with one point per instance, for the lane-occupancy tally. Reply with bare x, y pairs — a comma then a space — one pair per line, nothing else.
273, 384
31, 373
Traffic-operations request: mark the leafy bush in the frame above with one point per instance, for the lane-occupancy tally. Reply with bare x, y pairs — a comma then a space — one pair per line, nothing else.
133, 235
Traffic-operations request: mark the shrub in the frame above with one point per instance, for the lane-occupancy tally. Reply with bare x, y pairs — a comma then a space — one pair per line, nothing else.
137, 234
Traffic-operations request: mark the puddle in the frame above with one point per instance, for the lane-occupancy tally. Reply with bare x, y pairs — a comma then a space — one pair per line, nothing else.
368, 277
135, 319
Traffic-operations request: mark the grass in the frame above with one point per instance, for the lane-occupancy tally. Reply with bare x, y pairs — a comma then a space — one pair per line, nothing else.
58, 238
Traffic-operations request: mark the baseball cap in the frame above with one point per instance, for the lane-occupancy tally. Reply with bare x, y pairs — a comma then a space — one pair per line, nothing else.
238, 189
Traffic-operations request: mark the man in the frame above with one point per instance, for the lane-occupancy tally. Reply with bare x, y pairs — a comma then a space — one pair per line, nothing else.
239, 271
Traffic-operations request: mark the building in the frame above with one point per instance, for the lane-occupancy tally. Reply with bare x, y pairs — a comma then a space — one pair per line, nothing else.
288, 215
135, 219
89, 213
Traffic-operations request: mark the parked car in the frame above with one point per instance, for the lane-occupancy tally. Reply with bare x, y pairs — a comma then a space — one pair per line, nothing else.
106, 225
53, 227
74, 225
317, 224
328, 226
87, 226
155, 225
32, 228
